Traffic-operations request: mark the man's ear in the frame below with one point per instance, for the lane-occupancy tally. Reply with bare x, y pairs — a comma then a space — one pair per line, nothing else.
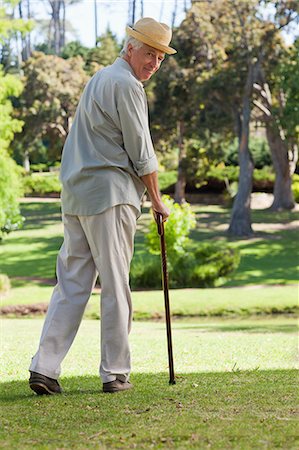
129, 49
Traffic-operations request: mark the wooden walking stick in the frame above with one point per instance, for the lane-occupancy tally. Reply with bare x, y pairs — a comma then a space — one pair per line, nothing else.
159, 220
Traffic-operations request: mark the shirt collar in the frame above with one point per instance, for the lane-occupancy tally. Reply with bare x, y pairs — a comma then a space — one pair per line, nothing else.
120, 62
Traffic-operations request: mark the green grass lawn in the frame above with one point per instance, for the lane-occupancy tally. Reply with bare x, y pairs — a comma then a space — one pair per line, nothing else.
184, 302
236, 389
269, 258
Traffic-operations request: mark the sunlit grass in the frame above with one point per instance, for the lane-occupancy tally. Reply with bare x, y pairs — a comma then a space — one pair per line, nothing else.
236, 389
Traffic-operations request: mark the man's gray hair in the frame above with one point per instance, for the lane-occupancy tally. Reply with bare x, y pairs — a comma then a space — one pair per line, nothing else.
130, 40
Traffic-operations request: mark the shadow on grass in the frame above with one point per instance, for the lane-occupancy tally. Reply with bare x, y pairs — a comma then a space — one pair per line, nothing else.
38, 215
270, 257
156, 385
239, 327
203, 410
274, 262
38, 261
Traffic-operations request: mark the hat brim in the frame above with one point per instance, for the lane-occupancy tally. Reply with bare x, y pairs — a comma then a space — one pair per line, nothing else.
146, 40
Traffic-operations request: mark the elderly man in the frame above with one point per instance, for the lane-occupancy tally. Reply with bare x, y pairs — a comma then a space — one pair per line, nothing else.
108, 160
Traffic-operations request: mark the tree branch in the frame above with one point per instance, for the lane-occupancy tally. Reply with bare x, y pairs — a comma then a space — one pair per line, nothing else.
262, 108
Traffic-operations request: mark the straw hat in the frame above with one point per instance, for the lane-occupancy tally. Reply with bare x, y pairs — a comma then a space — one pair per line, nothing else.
155, 34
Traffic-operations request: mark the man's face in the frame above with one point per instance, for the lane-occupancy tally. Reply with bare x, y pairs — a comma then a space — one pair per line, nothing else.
145, 61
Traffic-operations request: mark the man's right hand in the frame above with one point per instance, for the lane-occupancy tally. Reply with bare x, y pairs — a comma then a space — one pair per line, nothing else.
161, 209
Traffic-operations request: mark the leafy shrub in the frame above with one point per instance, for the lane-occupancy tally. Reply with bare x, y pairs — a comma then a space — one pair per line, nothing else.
39, 167
42, 183
213, 262
177, 229
206, 265
222, 173
259, 149
10, 191
226, 177
146, 274
4, 284
209, 265
45, 167
295, 187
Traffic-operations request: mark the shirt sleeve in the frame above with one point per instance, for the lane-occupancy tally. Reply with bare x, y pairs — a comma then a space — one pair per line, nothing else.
133, 116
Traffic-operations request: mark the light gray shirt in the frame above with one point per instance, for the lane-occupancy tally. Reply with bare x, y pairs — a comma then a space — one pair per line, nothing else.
109, 145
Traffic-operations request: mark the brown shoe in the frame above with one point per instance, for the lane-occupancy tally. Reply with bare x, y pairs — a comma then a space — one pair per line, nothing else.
43, 385
116, 386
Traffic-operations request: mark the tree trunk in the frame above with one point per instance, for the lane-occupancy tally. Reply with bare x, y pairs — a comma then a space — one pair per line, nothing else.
62, 27
180, 186
240, 223
283, 163
55, 21
283, 195
141, 8
26, 45
133, 11
26, 161
29, 34
96, 22
174, 13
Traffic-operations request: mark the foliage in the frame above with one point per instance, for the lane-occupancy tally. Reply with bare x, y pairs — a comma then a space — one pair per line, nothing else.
269, 260
284, 86
95, 58
9, 26
222, 177
213, 262
44, 167
177, 229
53, 87
74, 48
103, 54
167, 179
10, 86
10, 191
218, 178
295, 187
4, 284
259, 150
208, 265
41, 183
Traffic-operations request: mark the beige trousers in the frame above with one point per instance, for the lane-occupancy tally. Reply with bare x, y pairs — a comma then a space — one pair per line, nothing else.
101, 244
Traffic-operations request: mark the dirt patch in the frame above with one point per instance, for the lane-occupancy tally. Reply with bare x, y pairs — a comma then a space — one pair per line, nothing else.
47, 281
24, 310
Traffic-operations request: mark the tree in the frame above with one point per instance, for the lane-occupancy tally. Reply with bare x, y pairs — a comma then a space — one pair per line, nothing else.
104, 53
10, 181
277, 105
56, 27
225, 48
25, 39
10, 28
178, 111
53, 87
95, 58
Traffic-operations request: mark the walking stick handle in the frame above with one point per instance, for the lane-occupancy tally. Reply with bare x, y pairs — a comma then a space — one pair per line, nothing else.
160, 224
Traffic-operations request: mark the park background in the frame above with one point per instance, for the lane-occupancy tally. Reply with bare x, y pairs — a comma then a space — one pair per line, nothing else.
225, 122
